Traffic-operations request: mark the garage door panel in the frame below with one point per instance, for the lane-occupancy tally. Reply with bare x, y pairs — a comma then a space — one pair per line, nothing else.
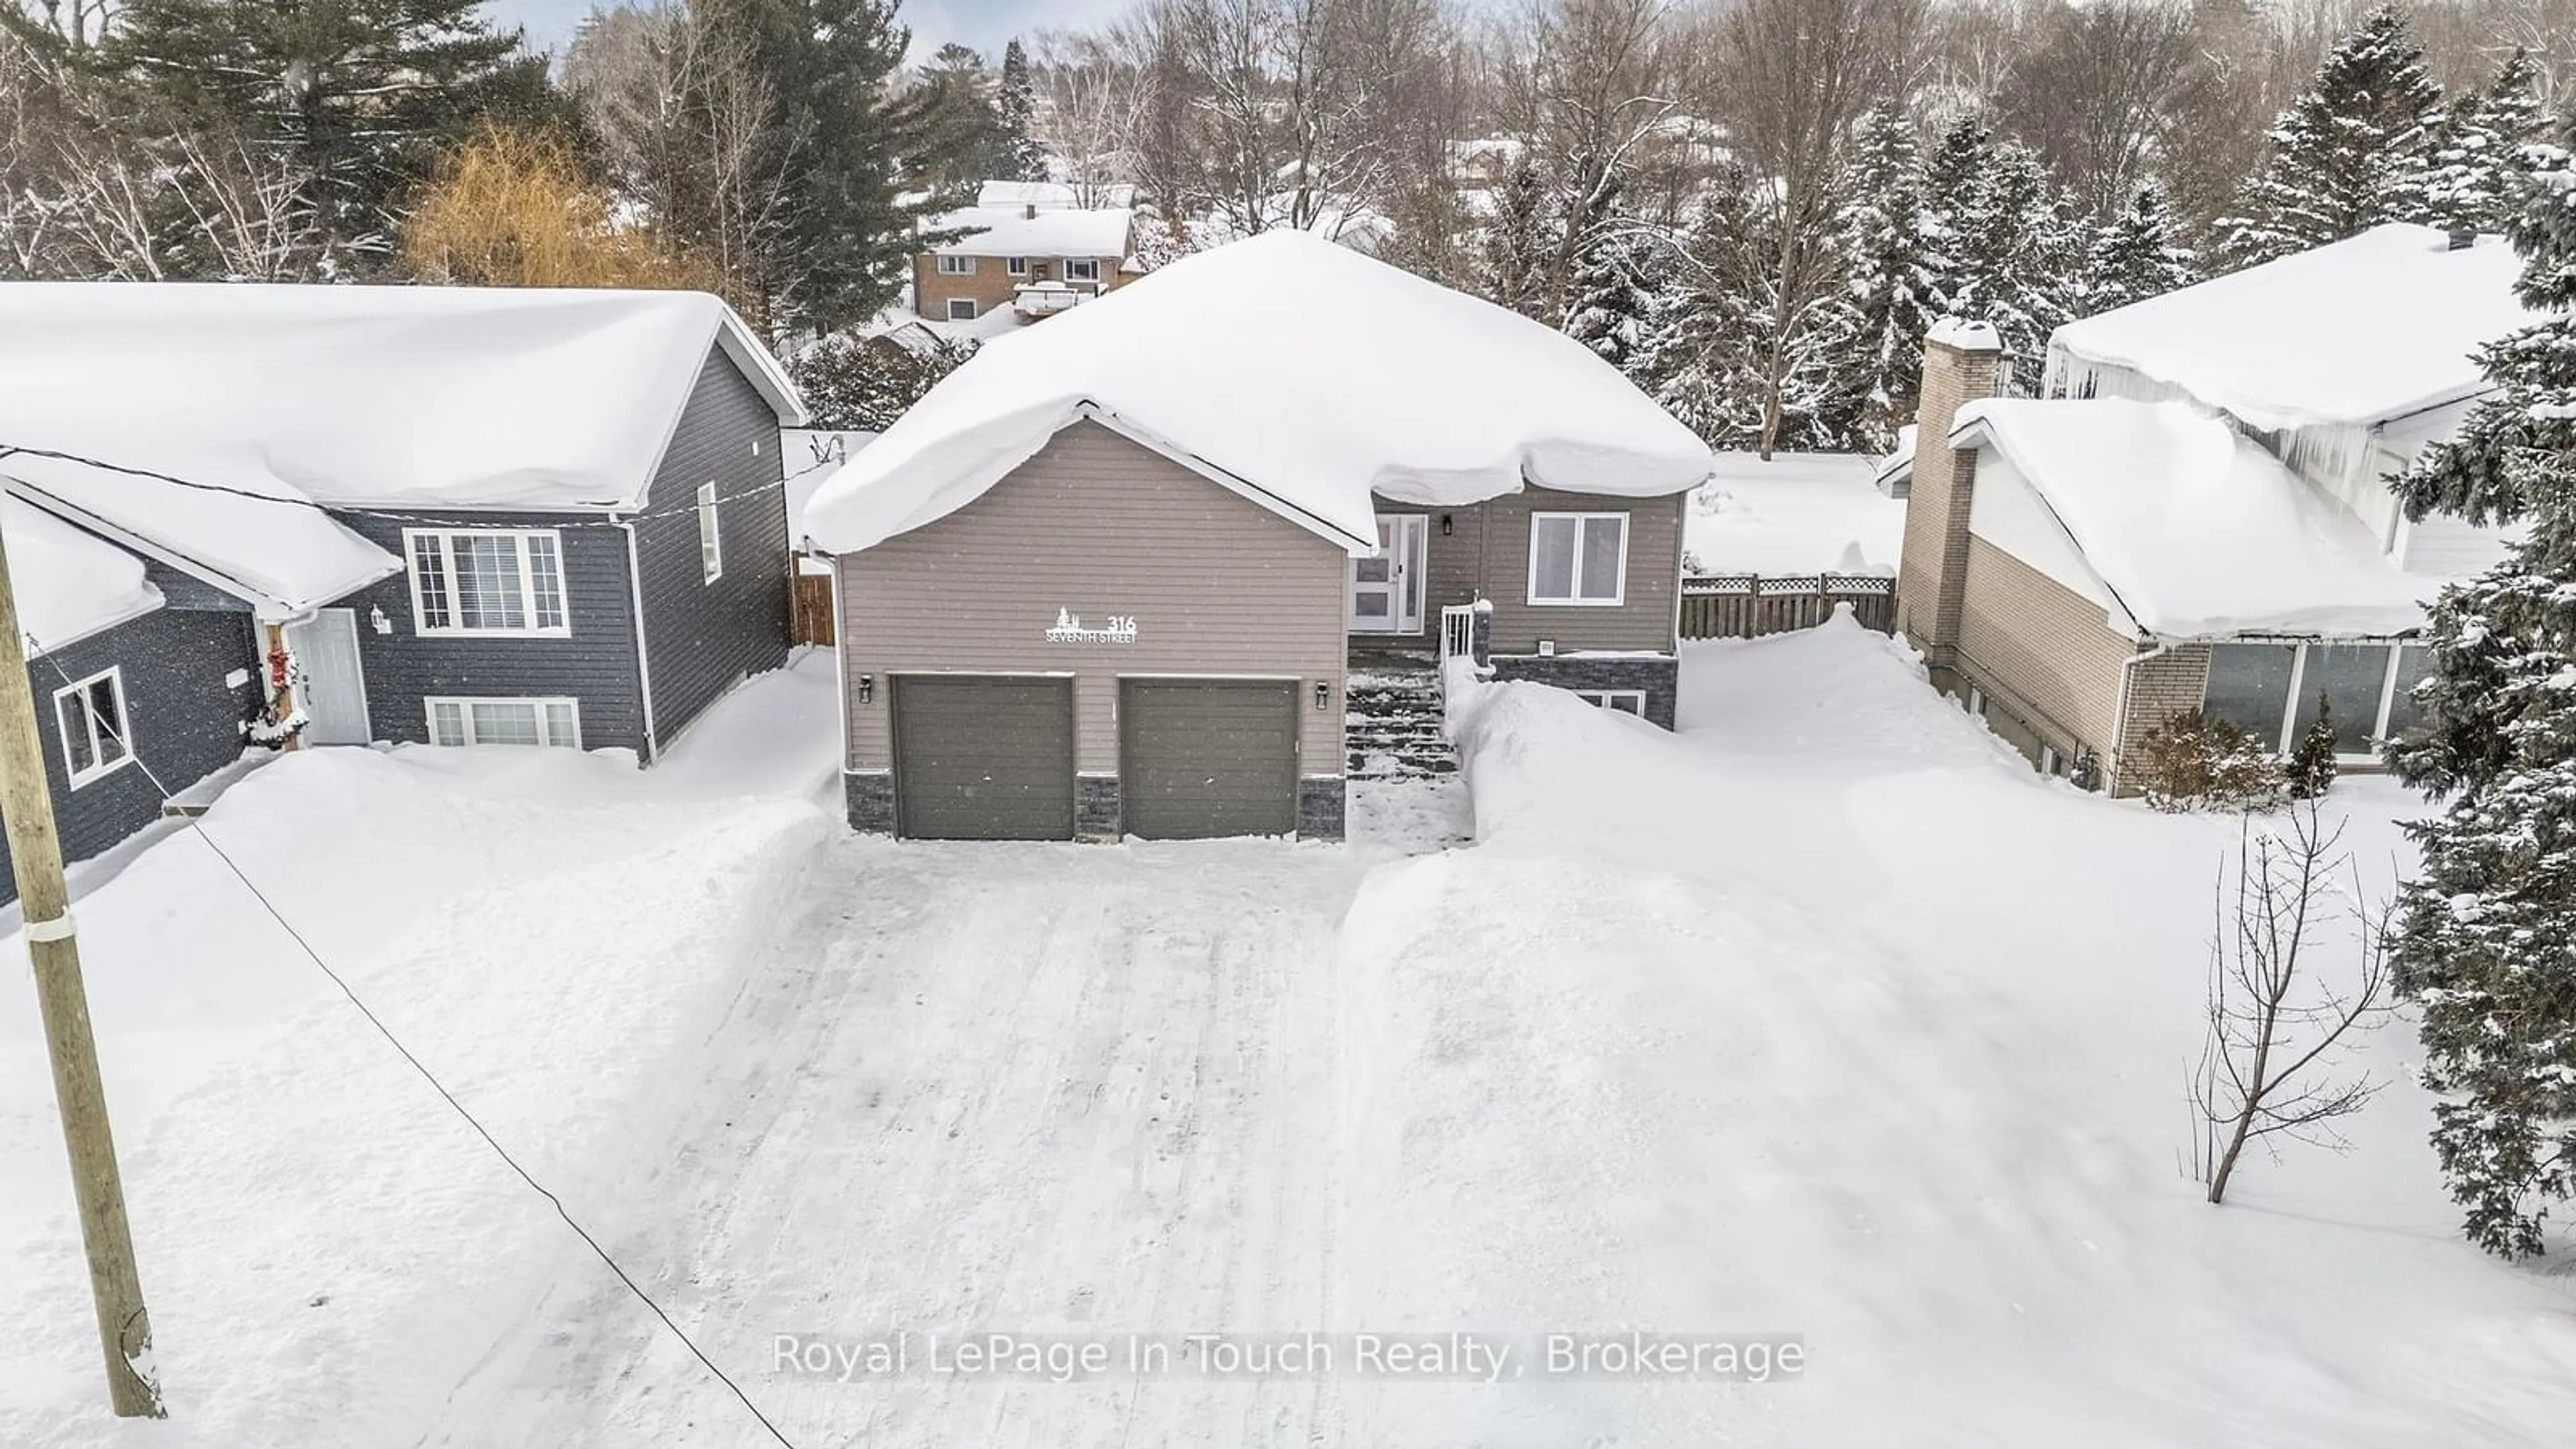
983, 757
1202, 758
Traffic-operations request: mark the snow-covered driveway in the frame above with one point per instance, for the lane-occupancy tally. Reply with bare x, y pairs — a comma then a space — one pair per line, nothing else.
1077, 1092
1823, 1018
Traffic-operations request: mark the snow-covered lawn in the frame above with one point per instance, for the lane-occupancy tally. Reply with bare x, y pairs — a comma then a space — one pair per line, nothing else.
1825, 1018
1798, 513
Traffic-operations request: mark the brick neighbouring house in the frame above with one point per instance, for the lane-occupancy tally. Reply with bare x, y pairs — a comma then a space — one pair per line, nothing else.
1032, 247
2197, 514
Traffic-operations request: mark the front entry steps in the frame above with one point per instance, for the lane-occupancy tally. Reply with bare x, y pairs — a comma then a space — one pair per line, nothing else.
1392, 722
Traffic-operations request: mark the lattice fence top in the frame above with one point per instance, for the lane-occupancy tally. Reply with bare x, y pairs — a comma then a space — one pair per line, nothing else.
1839, 585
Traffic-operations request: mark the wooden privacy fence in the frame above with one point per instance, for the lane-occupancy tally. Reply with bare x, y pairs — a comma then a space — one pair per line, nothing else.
1749, 606
812, 608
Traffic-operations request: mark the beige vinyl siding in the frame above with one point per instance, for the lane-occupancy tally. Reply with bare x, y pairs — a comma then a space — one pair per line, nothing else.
1453, 563
1100, 526
1487, 554
2042, 651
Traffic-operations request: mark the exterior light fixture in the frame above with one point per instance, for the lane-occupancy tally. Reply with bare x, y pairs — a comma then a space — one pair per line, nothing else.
1448, 525
1323, 694
867, 688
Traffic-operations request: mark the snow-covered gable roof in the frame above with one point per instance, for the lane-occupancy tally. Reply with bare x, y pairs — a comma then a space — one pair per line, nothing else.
458, 397
1054, 194
2359, 331
1305, 374
1010, 231
69, 584
2193, 530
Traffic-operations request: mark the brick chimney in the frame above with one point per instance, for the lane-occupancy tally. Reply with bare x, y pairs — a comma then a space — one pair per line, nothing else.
1962, 362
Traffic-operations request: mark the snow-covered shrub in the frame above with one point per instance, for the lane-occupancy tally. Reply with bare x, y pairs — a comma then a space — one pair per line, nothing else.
2193, 762
866, 383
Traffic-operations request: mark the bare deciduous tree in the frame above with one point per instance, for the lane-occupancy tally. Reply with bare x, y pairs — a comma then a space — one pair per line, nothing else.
2276, 1015
690, 131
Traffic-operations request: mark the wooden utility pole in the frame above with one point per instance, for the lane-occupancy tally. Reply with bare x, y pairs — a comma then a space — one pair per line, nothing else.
36, 853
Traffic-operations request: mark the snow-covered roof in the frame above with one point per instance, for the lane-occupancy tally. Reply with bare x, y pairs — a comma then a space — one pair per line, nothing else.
461, 397
2358, 331
2192, 528
1010, 231
1304, 373
261, 541
1054, 194
69, 584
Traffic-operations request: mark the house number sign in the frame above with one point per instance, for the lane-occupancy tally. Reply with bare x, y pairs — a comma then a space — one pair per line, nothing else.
1069, 629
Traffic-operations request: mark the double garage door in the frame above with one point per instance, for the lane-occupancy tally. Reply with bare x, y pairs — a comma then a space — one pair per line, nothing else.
992, 757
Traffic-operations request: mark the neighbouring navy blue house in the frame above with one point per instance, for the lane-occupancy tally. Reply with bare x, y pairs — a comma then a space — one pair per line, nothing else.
441, 515
125, 672
466, 515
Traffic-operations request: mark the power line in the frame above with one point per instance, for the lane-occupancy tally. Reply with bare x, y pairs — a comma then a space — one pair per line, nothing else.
397, 515
117, 732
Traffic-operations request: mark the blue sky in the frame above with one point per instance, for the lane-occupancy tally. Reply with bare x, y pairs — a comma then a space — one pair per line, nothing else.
984, 24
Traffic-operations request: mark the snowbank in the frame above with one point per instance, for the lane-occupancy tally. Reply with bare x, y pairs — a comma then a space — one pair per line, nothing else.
2193, 527
1797, 513
1825, 1018
1311, 374
2357, 331
300, 1197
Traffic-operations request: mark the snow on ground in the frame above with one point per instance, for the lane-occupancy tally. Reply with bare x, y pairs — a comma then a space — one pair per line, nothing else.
1825, 1018
1830, 1017
1799, 513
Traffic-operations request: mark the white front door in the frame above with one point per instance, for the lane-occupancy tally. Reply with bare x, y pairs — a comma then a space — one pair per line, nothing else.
333, 689
1386, 587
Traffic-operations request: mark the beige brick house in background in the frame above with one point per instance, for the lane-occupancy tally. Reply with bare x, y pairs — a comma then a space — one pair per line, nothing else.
2197, 513
1031, 248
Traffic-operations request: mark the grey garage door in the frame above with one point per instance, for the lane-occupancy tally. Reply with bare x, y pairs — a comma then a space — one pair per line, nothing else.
1203, 757
983, 757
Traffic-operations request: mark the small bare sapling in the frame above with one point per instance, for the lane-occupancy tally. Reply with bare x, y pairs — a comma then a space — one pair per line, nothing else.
2289, 987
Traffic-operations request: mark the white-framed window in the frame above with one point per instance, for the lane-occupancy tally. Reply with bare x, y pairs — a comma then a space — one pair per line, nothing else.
91, 716
954, 266
1578, 558
961, 309
710, 533
1016, 266
493, 582
1082, 269
460, 720
1625, 701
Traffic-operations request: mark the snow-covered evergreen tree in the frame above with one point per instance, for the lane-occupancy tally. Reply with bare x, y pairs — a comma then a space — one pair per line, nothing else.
2486, 938
2011, 249
353, 99
1610, 308
1015, 108
2477, 154
1702, 323
1884, 237
2354, 151
1520, 239
2137, 255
